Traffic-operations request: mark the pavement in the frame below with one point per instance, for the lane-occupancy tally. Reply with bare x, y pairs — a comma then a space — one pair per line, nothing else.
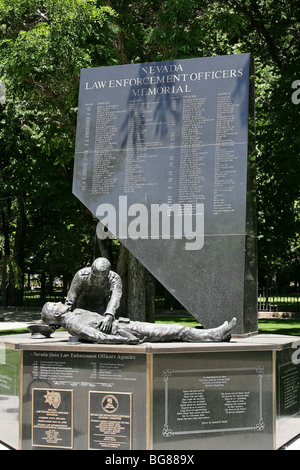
11, 318
2, 447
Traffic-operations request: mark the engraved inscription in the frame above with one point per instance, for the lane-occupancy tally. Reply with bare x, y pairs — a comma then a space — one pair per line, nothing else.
110, 418
52, 418
219, 404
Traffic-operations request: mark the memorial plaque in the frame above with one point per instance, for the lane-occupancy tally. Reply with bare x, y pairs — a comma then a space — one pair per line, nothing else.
110, 416
207, 398
288, 392
288, 386
289, 403
49, 377
52, 418
213, 407
164, 159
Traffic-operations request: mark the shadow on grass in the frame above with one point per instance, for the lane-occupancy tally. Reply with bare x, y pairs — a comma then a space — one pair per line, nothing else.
290, 326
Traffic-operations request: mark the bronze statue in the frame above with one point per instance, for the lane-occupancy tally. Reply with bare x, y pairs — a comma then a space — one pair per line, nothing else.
86, 326
97, 289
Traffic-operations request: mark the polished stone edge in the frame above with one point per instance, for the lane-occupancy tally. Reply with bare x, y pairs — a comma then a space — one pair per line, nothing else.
59, 341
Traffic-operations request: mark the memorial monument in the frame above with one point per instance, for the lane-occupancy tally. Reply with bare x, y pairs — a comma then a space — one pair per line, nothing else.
164, 159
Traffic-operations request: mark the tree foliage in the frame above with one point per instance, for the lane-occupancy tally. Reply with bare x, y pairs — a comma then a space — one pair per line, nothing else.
44, 44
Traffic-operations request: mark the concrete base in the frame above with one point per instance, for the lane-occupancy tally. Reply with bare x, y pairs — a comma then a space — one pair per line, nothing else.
173, 396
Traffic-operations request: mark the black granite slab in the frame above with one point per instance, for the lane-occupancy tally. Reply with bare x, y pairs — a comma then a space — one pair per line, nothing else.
171, 136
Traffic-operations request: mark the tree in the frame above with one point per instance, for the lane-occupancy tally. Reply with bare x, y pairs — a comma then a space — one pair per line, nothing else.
44, 44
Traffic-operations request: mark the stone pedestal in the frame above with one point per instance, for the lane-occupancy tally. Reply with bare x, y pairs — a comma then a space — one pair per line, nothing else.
174, 396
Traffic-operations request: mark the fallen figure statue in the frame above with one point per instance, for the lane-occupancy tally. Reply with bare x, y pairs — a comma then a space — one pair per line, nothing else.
85, 325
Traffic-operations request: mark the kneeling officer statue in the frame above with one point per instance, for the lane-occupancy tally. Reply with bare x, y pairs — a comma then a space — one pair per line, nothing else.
91, 305
97, 289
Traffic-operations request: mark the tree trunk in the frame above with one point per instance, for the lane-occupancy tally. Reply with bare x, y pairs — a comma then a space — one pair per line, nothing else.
122, 271
43, 288
5, 212
140, 296
105, 249
20, 232
120, 44
16, 293
150, 297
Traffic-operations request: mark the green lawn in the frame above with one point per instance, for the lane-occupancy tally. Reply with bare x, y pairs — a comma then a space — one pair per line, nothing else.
176, 317
290, 326
16, 331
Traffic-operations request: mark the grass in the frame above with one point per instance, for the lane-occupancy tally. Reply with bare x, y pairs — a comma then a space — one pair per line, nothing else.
16, 331
280, 326
176, 317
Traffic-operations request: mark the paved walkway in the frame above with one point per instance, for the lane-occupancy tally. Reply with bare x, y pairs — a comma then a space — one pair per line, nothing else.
11, 319
2, 447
